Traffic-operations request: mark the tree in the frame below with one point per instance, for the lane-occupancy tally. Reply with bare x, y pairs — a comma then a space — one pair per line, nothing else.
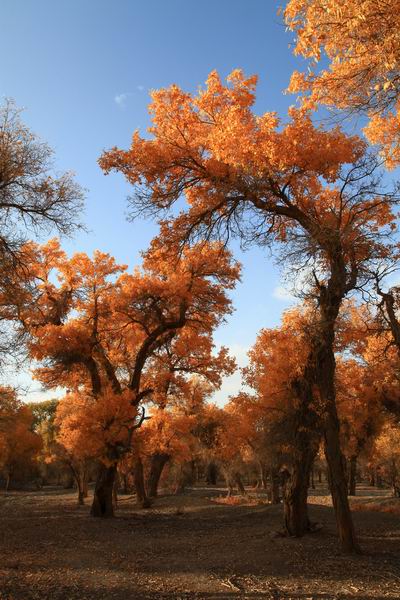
360, 411
32, 201
314, 191
362, 45
279, 373
95, 329
191, 352
19, 446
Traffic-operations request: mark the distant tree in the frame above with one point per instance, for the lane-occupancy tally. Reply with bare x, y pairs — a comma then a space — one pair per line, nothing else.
33, 200
19, 445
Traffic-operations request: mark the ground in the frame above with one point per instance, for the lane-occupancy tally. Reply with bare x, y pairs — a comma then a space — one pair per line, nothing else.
189, 547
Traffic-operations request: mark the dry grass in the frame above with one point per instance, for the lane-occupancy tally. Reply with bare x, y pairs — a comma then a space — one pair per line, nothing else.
241, 500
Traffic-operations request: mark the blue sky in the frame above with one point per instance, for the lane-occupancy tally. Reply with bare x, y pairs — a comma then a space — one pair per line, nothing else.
83, 69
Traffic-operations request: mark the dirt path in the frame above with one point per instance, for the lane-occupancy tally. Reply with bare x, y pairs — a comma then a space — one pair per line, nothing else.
187, 547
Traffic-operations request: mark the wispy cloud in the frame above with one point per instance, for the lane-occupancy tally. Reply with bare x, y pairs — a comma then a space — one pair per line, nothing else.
281, 293
121, 100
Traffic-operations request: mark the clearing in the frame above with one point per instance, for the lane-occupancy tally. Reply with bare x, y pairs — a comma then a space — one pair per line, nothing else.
189, 546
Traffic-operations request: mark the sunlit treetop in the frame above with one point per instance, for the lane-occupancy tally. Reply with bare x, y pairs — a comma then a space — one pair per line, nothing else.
361, 40
256, 177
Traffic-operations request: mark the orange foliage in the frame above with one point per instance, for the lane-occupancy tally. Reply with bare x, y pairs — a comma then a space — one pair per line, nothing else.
253, 176
362, 44
19, 446
109, 336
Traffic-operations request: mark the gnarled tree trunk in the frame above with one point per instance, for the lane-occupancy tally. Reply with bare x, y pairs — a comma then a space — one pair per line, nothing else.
158, 462
305, 444
103, 493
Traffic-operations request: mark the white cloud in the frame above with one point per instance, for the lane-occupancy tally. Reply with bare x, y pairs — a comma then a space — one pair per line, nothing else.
140, 88
281, 293
121, 100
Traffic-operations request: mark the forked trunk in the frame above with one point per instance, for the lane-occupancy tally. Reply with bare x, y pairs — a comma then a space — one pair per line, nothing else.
103, 493
158, 462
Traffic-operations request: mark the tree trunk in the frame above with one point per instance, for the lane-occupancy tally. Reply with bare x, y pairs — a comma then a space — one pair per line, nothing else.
115, 489
295, 509
139, 485
338, 484
158, 462
211, 474
325, 365
85, 483
239, 483
352, 475
127, 484
186, 476
80, 485
305, 444
103, 493
372, 477
275, 483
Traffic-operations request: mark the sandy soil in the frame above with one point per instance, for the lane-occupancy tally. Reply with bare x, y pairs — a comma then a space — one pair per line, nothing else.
188, 547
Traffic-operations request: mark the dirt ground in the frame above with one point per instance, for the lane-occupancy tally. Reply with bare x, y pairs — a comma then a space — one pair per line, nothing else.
189, 547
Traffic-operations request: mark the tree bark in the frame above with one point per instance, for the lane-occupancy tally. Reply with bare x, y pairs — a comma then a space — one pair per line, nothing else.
330, 299
158, 462
211, 474
103, 505
275, 483
372, 477
305, 444
239, 483
312, 478
186, 476
139, 485
338, 483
